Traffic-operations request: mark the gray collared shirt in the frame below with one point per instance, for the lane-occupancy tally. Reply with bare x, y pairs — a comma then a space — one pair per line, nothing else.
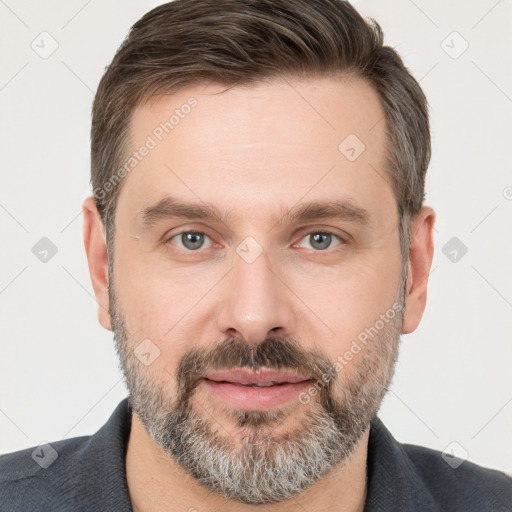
88, 474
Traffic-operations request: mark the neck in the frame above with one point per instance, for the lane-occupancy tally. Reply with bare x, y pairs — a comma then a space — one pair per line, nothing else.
155, 481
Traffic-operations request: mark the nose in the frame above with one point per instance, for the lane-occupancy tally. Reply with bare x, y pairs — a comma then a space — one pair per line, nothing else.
255, 302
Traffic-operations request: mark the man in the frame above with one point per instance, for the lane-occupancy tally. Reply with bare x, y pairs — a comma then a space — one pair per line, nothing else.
257, 242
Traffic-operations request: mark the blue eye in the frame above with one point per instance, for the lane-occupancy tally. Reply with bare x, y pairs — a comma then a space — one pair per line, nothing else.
191, 240
320, 240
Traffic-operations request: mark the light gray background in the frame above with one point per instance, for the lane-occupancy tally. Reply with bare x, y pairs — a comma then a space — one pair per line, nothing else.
59, 375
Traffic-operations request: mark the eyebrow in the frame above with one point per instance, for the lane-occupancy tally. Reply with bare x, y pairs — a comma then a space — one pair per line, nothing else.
171, 207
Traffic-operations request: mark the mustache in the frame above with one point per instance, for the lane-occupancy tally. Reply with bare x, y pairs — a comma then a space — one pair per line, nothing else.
275, 352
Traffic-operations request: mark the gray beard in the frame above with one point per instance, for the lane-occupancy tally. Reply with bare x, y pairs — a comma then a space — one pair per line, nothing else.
258, 467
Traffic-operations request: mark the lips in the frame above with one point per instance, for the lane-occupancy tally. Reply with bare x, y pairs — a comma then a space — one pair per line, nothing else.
261, 378
255, 391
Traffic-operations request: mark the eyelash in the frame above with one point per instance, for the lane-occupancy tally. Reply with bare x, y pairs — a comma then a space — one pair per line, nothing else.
341, 240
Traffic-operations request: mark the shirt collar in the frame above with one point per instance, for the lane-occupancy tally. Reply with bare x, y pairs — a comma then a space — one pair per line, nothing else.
104, 462
393, 482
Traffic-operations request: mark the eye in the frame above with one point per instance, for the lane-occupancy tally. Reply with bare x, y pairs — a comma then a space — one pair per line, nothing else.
191, 240
319, 240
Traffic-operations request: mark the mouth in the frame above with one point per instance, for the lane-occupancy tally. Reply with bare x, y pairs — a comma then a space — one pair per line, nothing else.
257, 384
260, 390
263, 378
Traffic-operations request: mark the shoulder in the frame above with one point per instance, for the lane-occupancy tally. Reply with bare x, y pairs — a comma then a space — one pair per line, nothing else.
404, 477
71, 475
459, 484
31, 462
38, 472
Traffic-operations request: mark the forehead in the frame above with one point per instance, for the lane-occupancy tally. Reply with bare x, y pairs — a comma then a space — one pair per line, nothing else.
256, 146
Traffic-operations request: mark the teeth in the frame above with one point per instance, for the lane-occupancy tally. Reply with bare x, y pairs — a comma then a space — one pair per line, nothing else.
262, 384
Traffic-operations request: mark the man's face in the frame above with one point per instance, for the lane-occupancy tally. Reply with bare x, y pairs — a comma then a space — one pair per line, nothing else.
257, 288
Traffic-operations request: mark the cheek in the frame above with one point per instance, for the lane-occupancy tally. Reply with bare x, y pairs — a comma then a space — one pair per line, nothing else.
161, 304
347, 300
152, 293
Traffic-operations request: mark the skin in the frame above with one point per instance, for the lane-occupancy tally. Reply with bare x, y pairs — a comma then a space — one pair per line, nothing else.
255, 151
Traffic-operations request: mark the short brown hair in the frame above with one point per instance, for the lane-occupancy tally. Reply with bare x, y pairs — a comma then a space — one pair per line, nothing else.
229, 42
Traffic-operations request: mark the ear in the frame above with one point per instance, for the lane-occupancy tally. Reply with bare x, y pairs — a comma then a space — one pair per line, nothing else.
96, 249
420, 261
